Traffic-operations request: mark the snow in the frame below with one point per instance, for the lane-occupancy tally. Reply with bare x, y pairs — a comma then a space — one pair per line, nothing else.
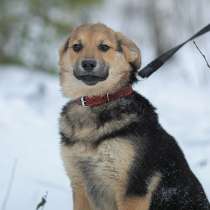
30, 103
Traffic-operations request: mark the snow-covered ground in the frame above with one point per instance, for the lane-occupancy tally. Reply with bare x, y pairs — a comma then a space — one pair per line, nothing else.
29, 107
30, 103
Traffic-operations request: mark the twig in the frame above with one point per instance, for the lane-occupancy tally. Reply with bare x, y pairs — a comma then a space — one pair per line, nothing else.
201, 54
43, 201
9, 188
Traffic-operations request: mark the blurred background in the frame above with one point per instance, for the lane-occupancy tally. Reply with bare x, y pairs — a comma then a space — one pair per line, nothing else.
32, 31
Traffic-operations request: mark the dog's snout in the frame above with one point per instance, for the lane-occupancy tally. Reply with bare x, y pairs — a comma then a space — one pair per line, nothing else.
89, 64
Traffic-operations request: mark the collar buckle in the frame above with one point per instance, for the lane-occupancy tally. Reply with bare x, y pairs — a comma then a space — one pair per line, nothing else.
107, 98
83, 101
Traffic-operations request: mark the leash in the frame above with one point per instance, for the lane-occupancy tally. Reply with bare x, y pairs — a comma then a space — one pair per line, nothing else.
158, 62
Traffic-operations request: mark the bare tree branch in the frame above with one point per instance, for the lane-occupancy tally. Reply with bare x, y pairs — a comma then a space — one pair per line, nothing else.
202, 54
11, 180
42, 203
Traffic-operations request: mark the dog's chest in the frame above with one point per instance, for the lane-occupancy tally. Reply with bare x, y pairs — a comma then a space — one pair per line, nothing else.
103, 168
78, 124
102, 171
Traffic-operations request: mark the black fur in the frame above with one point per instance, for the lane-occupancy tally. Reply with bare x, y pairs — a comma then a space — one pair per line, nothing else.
156, 152
66, 140
66, 45
119, 46
133, 74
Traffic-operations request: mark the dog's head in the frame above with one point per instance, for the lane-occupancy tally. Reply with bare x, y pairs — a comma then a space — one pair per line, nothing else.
96, 60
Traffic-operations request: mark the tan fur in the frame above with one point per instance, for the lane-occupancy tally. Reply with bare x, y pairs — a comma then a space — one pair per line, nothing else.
80, 198
91, 35
114, 156
135, 203
131, 52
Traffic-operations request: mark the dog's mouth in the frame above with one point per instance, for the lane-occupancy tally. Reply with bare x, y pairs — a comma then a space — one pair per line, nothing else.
90, 79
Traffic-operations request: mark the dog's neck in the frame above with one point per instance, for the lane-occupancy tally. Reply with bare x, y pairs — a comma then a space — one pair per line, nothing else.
93, 101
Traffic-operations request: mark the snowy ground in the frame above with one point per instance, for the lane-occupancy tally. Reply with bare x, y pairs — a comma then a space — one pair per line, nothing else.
29, 143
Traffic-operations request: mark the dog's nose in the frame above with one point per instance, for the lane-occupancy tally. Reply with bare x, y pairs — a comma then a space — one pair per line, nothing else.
88, 64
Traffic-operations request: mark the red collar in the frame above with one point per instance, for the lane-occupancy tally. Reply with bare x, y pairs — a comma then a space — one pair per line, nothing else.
92, 101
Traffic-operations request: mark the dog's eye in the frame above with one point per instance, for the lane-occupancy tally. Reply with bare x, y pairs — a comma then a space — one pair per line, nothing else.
77, 47
103, 47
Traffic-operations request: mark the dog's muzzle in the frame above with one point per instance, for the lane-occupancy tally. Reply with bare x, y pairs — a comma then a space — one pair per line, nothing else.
91, 71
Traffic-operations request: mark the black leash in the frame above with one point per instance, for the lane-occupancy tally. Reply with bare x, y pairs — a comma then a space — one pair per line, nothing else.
158, 62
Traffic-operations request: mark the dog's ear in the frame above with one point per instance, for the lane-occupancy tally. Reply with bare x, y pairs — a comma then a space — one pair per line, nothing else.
130, 50
64, 47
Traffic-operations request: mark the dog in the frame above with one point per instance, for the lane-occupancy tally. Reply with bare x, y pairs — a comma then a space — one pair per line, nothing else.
115, 152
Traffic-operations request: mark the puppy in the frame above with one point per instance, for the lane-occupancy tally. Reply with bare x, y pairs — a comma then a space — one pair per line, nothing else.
115, 152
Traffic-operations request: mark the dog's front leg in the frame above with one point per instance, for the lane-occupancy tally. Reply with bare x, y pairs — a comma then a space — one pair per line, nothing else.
80, 199
134, 203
